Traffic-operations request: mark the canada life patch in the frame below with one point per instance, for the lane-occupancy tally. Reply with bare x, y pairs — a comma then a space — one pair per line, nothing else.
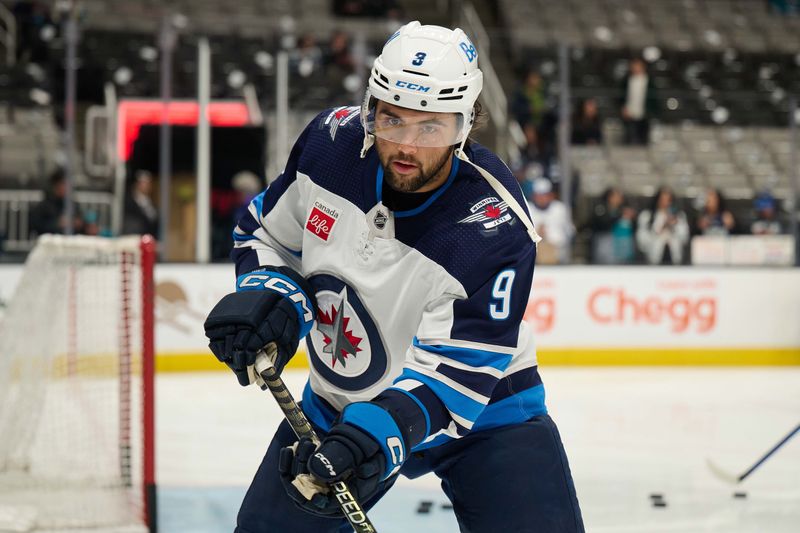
321, 220
489, 212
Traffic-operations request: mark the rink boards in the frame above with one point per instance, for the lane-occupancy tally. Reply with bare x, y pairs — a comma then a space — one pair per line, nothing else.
581, 315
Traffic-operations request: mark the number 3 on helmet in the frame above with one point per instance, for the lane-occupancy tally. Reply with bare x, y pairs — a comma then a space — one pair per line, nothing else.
426, 68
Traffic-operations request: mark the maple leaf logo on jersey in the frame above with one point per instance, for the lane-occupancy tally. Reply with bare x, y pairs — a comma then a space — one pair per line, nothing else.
492, 211
489, 212
339, 341
339, 117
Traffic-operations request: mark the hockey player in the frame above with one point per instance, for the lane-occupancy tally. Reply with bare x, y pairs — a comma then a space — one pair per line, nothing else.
402, 254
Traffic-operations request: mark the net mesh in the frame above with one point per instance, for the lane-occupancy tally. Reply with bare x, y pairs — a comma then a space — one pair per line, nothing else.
71, 406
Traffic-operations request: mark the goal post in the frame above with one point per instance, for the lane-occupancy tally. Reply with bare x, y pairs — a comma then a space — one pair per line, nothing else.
77, 416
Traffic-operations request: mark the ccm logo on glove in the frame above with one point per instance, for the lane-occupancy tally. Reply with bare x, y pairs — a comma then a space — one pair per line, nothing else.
271, 281
324, 460
395, 447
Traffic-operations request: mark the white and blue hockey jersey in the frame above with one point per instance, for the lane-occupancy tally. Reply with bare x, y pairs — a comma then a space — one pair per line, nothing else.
424, 304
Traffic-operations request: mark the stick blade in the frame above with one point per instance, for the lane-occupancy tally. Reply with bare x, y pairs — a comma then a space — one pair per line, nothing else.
722, 474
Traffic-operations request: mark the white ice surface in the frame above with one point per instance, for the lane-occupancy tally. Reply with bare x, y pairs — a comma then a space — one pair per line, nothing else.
629, 432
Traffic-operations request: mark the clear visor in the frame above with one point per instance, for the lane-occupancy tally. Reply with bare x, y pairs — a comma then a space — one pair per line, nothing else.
431, 130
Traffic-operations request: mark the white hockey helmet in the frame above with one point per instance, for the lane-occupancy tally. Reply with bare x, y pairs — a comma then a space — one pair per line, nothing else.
426, 68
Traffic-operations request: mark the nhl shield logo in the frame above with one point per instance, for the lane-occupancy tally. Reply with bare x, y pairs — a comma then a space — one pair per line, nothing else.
380, 220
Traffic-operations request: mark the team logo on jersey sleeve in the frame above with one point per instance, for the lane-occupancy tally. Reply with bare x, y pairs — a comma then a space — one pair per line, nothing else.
321, 220
345, 347
489, 212
339, 117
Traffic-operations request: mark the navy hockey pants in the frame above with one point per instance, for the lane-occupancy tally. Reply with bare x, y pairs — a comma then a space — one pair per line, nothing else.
514, 478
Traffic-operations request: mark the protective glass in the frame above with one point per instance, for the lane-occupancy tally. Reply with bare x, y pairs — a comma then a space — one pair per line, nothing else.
432, 131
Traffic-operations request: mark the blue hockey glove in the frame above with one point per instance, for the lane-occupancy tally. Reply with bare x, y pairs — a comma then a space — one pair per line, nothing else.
365, 449
269, 305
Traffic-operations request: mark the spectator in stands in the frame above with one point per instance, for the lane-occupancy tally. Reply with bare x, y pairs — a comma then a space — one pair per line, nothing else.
586, 124
638, 104
714, 218
552, 222
247, 185
140, 216
766, 216
91, 223
662, 231
32, 17
339, 61
48, 215
306, 59
612, 230
339, 54
228, 207
528, 106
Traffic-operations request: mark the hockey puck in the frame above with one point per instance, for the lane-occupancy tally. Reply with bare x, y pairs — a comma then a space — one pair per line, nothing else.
447, 506
659, 503
656, 496
424, 507
740, 495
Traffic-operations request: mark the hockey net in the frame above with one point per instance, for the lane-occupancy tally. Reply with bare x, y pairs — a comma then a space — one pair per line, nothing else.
76, 388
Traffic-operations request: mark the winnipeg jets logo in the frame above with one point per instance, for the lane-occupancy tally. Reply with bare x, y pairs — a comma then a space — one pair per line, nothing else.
489, 212
345, 348
340, 117
340, 341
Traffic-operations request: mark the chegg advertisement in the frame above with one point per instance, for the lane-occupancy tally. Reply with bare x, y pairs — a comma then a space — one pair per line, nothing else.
666, 316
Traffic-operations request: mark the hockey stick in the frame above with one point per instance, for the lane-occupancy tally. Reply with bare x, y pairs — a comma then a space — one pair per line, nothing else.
734, 479
351, 508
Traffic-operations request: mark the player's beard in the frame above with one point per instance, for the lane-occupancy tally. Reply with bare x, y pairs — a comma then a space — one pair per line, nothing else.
425, 173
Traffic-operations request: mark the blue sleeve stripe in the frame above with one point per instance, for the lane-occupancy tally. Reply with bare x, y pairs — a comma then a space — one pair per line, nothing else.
258, 203
469, 356
518, 381
513, 410
479, 382
454, 401
238, 237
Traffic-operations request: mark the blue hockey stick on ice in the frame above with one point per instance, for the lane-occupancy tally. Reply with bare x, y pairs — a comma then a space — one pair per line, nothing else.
731, 478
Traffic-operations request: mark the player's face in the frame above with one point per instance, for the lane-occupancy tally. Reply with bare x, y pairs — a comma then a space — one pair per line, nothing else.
414, 147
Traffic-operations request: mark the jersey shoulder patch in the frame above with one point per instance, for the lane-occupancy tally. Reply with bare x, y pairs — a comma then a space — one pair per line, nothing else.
331, 154
340, 117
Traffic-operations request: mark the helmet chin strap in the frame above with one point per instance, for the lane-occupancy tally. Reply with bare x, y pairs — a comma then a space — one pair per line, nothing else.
369, 140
